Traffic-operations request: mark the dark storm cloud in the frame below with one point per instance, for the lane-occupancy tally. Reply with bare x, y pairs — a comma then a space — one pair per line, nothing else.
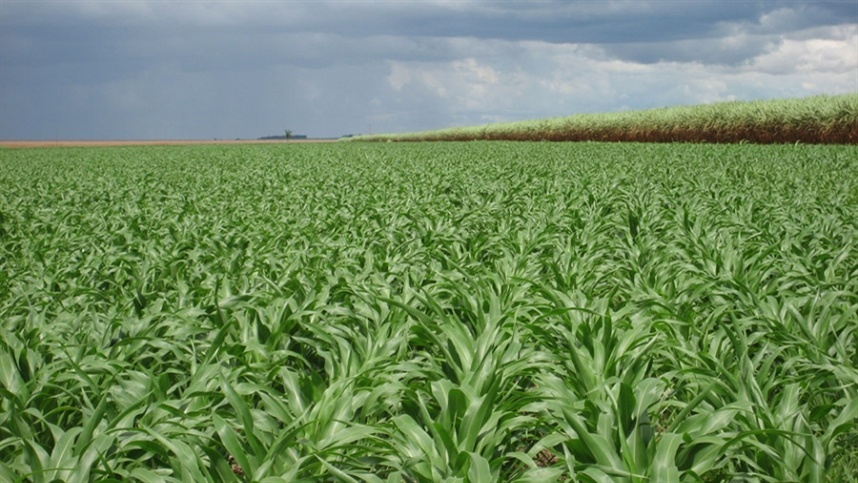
332, 31
243, 69
608, 22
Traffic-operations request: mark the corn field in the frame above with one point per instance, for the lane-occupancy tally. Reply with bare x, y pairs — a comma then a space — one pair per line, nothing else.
429, 312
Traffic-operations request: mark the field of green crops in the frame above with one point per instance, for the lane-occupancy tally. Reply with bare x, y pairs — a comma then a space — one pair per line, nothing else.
429, 312
813, 120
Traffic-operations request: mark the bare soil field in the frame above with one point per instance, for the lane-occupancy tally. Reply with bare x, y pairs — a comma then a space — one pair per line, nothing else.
153, 142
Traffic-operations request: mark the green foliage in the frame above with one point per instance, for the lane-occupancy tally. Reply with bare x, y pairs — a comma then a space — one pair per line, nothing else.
429, 312
817, 120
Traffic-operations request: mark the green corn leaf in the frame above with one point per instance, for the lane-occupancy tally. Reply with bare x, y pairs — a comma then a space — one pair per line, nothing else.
686, 410
333, 470
626, 404
597, 475
96, 450
186, 458
89, 428
37, 459
664, 462
232, 444
843, 422
243, 413
815, 465
412, 432
479, 470
63, 457
149, 476
10, 377
596, 444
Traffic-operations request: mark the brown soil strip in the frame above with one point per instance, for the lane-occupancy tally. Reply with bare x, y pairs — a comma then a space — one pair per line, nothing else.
758, 134
161, 142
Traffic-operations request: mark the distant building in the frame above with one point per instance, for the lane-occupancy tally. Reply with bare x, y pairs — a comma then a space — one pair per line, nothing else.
282, 137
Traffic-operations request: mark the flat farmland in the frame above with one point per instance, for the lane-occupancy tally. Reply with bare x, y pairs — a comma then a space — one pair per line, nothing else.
65, 143
481, 311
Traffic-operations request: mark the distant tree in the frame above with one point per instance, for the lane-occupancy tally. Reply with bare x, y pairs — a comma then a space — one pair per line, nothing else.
288, 134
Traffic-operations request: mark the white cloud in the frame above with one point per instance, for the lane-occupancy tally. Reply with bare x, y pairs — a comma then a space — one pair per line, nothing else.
399, 76
475, 72
540, 79
810, 56
779, 20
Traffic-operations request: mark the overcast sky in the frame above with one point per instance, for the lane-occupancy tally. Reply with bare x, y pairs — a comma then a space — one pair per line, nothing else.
135, 69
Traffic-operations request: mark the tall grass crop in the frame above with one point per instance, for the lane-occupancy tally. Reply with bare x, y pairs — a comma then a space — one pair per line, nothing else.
429, 312
815, 120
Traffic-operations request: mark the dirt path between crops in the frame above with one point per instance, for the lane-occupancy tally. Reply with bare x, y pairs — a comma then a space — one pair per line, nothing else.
160, 142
